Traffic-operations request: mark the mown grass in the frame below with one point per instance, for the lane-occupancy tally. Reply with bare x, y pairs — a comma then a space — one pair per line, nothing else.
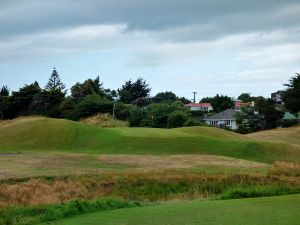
36, 134
279, 210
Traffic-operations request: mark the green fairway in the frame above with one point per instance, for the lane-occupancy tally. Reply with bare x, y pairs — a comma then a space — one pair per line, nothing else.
283, 210
38, 133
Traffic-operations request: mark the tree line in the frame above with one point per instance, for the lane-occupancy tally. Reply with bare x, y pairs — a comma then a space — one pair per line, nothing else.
132, 102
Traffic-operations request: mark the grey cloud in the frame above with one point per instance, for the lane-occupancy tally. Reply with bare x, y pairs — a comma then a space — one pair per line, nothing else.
211, 19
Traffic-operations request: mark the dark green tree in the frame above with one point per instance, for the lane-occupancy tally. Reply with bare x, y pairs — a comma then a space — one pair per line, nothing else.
177, 119
88, 87
156, 115
249, 120
91, 105
4, 91
291, 96
135, 117
184, 100
4, 101
206, 100
221, 103
131, 91
267, 108
164, 97
54, 82
245, 97
21, 100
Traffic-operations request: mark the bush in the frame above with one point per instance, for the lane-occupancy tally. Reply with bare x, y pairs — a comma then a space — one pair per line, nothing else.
135, 118
177, 119
156, 115
123, 111
192, 122
91, 105
289, 123
196, 113
258, 191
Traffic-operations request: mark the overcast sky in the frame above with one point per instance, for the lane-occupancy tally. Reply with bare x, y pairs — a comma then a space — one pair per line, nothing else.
213, 46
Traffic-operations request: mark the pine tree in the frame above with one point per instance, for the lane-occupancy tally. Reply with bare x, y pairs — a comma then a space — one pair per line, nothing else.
54, 82
4, 91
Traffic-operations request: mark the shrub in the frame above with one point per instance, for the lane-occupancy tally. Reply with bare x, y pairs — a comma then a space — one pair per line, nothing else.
192, 122
156, 115
177, 119
123, 111
91, 105
289, 123
135, 118
258, 191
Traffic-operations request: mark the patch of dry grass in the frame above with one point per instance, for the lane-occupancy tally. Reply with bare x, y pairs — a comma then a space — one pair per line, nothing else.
104, 120
286, 169
55, 164
148, 186
289, 135
178, 161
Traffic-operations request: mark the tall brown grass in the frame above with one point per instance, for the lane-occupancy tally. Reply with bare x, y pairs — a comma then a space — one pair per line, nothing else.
149, 187
285, 169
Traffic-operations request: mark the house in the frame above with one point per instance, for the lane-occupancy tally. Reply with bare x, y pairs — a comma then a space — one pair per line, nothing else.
205, 107
239, 105
225, 119
277, 97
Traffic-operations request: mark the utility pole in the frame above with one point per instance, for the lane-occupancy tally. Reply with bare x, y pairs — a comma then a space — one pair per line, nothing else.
194, 96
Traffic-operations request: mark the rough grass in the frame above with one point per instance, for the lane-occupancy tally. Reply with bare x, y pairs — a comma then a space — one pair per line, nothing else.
289, 135
104, 120
36, 134
142, 187
32, 164
282, 210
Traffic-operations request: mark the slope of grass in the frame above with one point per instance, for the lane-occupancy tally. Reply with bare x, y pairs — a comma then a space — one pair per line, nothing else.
289, 135
38, 133
282, 210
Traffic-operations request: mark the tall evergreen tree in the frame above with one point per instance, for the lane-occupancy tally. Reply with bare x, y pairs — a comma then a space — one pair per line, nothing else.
54, 82
4, 91
291, 96
131, 91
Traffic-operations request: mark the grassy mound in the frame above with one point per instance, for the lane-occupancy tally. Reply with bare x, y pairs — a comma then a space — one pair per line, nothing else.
38, 133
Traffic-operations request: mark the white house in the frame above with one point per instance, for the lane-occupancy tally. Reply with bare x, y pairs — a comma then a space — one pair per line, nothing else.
205, 107
223, 119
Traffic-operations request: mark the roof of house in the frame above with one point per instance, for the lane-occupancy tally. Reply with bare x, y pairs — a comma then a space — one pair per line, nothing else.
198, 105
289, 116
228, 114
239, 104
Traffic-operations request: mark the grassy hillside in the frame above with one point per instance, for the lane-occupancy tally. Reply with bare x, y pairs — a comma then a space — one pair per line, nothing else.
281, 135
38, 133
272, 210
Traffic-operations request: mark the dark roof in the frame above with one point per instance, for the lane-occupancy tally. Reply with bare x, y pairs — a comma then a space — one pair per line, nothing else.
228, 114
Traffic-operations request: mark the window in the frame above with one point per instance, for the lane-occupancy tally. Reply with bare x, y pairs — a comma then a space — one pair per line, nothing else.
214, 123
228, 122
